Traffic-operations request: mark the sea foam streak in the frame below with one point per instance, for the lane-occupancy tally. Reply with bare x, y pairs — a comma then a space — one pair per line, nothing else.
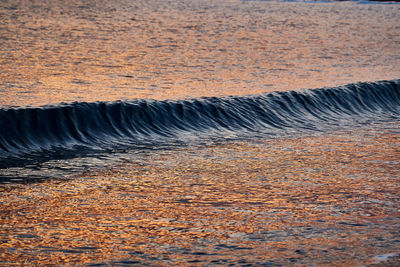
70, 129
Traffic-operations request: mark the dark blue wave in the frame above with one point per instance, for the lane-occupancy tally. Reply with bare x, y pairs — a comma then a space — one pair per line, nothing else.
73, 129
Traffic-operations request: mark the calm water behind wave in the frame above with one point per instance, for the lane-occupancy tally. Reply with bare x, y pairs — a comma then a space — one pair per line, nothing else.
53, 52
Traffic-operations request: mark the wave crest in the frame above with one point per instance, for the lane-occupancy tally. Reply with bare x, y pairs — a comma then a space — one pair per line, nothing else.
72, 128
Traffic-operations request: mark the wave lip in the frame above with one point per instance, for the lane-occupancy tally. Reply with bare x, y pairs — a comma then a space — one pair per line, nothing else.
52, 131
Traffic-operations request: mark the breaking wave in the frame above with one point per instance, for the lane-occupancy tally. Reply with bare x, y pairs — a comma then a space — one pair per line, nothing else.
73, 129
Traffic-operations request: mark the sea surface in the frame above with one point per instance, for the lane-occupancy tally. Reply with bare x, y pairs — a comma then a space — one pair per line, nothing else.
199, 133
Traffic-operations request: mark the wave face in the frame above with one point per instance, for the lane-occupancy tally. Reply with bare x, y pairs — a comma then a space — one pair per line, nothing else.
77, 128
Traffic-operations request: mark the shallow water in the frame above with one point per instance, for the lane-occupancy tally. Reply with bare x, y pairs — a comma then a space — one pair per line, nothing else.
196, 176
324, 199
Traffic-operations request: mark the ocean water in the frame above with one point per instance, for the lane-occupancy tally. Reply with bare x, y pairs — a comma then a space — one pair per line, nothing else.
199, 133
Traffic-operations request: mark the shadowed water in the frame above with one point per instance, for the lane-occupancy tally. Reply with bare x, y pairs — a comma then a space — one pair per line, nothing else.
40, 134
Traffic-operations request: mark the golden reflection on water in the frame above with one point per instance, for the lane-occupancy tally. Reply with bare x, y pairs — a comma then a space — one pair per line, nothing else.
313, 200
52, 51
322, 200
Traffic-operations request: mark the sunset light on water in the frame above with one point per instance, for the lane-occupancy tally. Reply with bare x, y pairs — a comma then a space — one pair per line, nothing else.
199, 133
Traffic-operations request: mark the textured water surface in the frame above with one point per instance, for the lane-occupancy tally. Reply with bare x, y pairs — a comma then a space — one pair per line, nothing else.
327, 199
53, 51
199, 133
